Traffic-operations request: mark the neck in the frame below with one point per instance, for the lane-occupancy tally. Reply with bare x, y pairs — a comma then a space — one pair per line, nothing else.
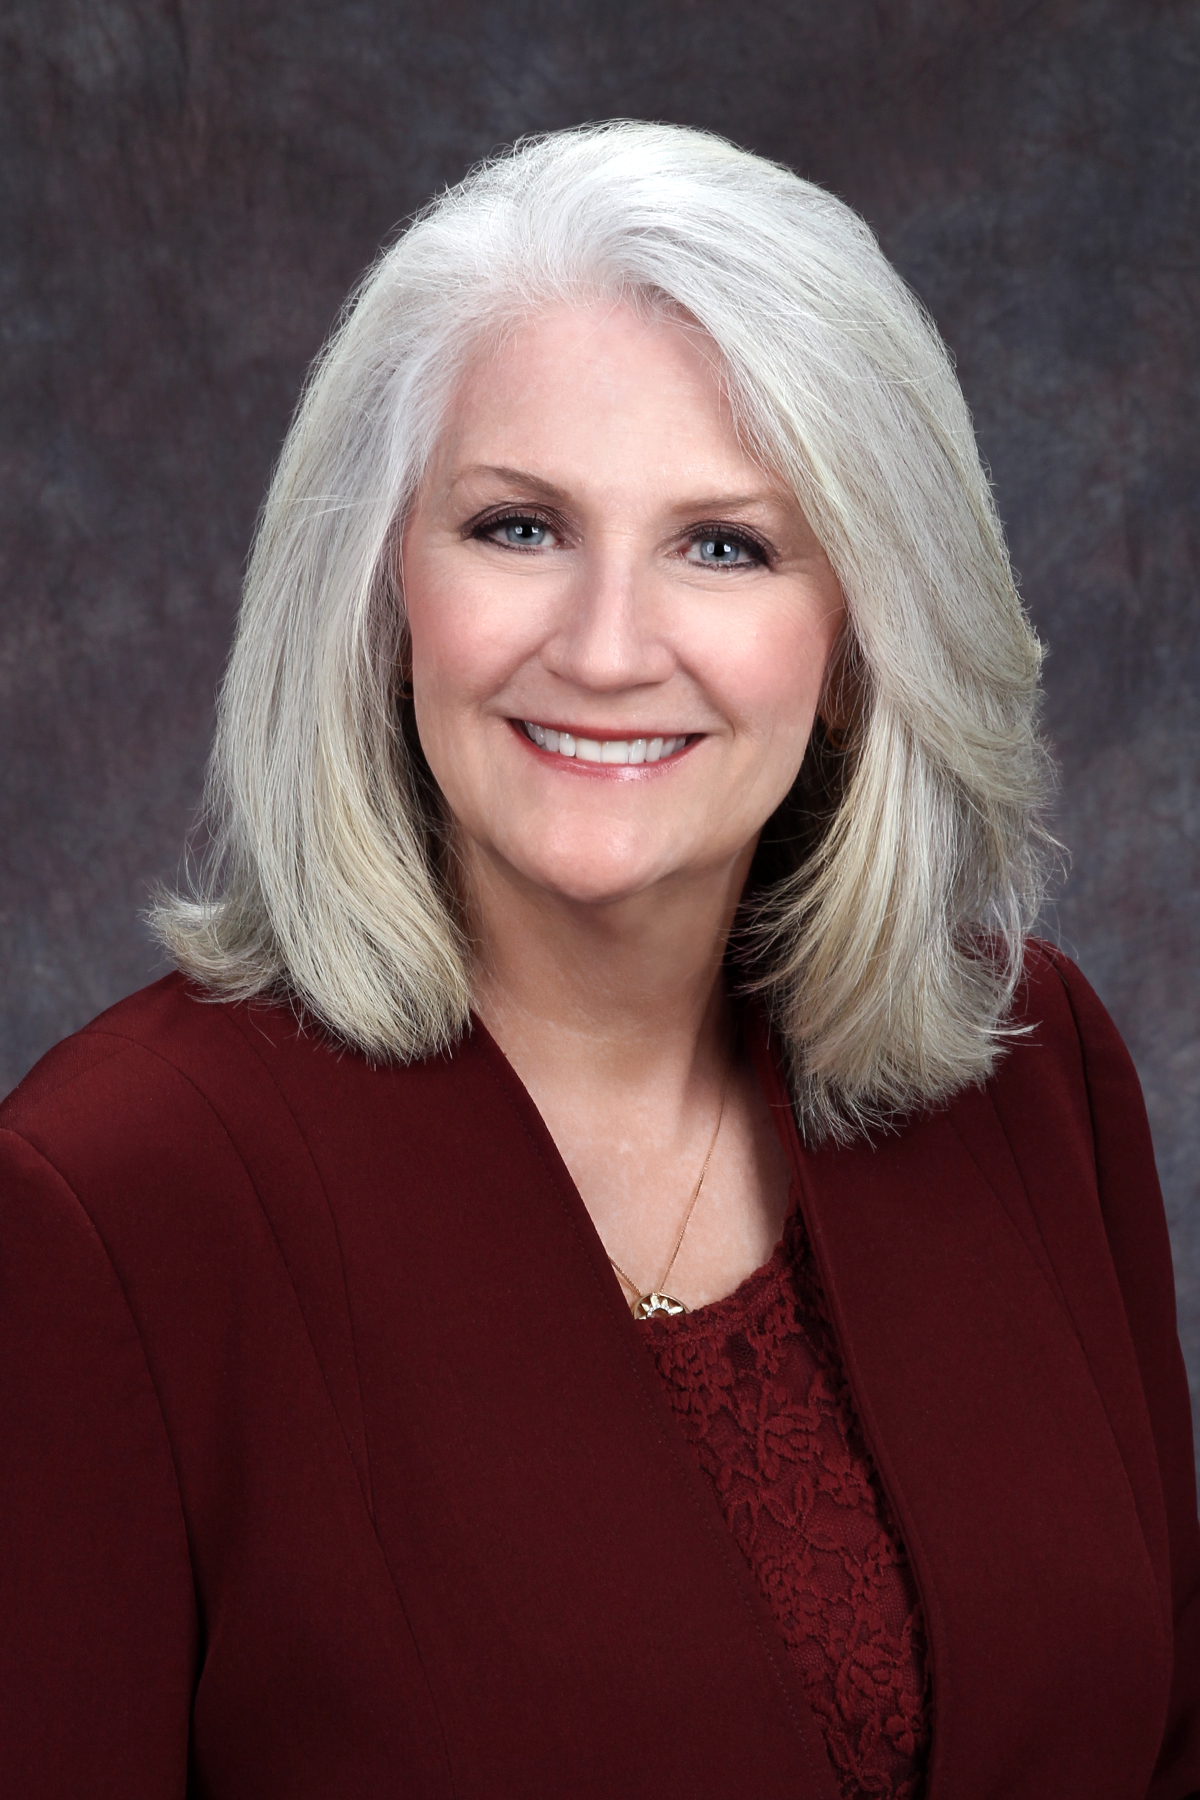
618, 995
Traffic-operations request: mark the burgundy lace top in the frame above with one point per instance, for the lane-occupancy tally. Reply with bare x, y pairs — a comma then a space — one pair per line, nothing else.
758, 1387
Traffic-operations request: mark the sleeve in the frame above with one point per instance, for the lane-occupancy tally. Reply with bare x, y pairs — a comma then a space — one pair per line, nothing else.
1137, 1233
99, 1641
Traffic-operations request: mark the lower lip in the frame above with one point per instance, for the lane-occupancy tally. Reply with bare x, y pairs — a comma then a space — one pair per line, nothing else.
571, 765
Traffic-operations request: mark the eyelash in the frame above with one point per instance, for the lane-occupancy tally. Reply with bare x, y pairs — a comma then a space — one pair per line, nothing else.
728, 534
745, 540
482, 528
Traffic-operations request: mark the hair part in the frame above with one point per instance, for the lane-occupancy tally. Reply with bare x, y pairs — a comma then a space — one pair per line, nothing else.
885, 920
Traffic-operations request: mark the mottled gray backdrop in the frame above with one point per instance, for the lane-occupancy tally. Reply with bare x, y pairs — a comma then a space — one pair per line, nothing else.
189, 188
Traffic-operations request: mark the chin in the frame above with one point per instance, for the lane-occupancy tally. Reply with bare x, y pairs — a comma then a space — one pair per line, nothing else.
585, 876
598, 887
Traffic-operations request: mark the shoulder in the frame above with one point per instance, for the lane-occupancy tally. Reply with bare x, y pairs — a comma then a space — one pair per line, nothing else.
1063, 1111
146, 1077
1057, 1006
1073, 1124
168, 1150
176, 1112
165, 1124
1065, 1071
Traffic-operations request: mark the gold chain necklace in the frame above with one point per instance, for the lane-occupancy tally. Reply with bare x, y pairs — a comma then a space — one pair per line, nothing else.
657, 1300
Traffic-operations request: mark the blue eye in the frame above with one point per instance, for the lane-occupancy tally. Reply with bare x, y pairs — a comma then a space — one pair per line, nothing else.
720, 551
522, 532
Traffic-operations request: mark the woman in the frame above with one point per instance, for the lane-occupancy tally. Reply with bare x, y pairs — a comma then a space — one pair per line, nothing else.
614, 1263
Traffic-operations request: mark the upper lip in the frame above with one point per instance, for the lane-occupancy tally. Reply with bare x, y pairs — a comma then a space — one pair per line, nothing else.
605, 734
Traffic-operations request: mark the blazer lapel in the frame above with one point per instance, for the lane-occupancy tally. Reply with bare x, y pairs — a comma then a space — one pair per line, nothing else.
584, 1619
991, 1437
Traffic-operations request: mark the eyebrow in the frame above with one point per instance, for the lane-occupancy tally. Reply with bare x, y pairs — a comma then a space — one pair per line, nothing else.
695, 506
521, 478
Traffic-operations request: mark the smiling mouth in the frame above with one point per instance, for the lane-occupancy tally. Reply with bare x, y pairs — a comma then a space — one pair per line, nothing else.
602, 750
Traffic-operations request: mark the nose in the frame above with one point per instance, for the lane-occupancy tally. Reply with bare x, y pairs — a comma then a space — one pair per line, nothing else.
609, 635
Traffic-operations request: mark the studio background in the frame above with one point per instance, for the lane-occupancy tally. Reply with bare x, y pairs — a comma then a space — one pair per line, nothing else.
189, 189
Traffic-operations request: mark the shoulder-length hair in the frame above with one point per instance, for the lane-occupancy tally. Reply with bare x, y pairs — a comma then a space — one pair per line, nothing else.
884, 923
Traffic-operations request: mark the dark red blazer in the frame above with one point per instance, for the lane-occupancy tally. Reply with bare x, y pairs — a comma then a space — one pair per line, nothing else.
333, 1464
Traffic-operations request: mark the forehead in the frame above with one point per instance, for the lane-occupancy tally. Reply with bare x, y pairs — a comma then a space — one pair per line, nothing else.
588, 385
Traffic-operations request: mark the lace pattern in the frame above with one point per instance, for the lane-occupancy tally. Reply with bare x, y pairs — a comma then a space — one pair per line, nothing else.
757, 1385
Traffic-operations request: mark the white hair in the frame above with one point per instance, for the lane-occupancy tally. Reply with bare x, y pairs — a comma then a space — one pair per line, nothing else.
885, 918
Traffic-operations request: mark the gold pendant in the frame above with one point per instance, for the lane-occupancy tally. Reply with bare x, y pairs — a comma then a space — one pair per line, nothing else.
651, 1305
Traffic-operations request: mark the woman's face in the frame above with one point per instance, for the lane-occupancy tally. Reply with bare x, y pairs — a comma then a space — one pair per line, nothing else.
620, 623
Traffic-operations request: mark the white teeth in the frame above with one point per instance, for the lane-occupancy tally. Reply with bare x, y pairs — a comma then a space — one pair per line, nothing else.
607, 750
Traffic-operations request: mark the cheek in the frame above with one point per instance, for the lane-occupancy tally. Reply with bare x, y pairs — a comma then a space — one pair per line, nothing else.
772, 670
464, 647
